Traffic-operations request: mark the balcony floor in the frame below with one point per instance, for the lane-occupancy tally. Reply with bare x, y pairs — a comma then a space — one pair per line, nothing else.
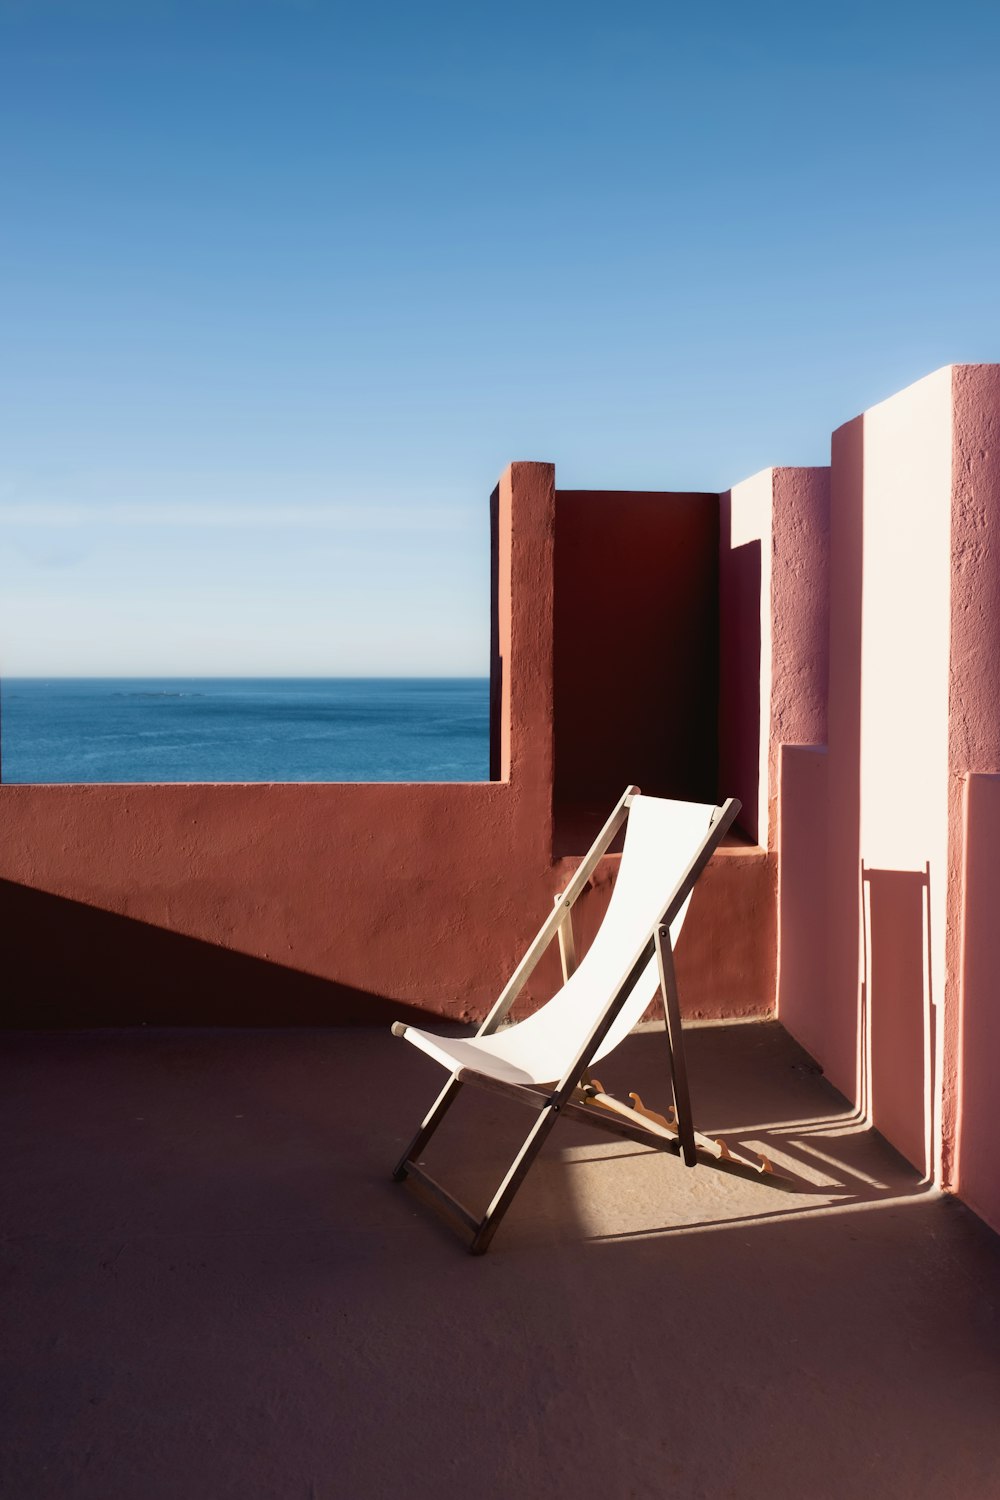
214, 1290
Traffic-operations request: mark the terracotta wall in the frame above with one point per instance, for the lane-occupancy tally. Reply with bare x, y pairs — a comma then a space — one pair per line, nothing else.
309, 902
635, 670
337, 903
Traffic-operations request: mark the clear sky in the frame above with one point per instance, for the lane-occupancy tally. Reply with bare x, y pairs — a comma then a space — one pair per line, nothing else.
284, 285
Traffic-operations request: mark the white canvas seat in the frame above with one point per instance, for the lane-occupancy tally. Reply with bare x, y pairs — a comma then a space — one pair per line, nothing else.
544, 1060
659, 839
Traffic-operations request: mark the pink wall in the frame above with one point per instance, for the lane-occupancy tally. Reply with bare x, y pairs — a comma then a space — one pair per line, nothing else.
334, 903
908, 1021
840, 1004
905, 604
803, 855
800, 615
976, 1172
887, 768
971, 1041
773, 563
744, 648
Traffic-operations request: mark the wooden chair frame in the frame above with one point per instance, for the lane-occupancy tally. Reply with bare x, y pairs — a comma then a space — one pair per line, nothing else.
572, 1098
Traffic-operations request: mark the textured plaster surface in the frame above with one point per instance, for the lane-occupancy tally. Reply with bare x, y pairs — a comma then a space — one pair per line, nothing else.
971, 1048
975, 1174
887, 965
726, 951
218, 1293
774, 633
803, 853
906, 582
800, 619
336, 903
887, 770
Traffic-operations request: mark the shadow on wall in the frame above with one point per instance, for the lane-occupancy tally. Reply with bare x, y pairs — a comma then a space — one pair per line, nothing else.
978, 1178
896, 1018
739, 672
68, 964
635, 679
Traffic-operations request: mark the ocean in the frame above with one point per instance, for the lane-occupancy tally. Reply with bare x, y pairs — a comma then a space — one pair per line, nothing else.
244, 729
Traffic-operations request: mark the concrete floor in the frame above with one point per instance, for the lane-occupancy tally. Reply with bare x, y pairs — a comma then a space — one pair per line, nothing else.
212, 1289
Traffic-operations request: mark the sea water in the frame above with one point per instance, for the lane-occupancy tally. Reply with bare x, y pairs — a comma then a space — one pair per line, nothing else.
243, 729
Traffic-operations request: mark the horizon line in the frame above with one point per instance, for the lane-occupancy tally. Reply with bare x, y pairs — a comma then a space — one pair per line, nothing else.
244, 676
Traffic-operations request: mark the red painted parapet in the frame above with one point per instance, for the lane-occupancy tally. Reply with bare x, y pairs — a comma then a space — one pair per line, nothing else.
344, 902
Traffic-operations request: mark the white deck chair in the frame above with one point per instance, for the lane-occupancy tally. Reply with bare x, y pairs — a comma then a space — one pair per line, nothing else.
544, 1060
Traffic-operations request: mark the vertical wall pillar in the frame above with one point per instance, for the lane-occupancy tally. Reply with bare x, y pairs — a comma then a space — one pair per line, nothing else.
876, 1025
914, 718
971, 1033
522, 512
774, 543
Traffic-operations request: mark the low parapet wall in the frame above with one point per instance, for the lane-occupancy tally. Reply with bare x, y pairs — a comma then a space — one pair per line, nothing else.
323, 904
344, 903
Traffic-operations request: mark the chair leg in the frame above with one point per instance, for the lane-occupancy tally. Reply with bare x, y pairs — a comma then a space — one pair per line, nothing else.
430, 1123
504, 1196
675, 1042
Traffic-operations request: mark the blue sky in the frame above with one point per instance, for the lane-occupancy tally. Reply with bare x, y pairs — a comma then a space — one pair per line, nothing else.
283, 287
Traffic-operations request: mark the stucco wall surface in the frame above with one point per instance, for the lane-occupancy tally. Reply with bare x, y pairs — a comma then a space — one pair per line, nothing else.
909, 1014
339, 903
326, 904
976, 1170
803, 898
887, 772
389, 892
841, 1000
971, 1039
905, 604
773, 633
636, 618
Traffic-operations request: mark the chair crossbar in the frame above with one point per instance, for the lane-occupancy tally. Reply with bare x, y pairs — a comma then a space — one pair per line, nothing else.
442, 1196
534, 1098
